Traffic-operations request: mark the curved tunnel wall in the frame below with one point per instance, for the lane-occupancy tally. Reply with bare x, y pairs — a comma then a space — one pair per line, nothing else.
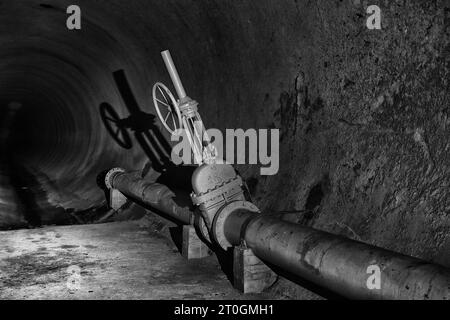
364, 115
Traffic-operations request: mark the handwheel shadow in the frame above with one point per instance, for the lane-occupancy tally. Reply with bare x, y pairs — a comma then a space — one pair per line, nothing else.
147, 134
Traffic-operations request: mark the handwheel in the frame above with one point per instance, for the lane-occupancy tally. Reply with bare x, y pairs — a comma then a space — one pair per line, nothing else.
167, 108
112, 124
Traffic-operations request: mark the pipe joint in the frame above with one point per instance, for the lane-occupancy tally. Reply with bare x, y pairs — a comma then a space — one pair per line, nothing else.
228, 233
109, 178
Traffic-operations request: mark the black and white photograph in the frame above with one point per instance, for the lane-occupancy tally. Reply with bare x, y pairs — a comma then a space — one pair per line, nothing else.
223, 158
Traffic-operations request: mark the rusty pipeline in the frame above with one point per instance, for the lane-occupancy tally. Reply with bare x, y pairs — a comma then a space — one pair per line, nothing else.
337, 263
177, 205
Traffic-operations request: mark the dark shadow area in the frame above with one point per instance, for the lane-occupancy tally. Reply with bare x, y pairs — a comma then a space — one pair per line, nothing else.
30, 196
143, 125
24, 184
225, 259
21, 181
100, 180
176, 233
314, 198
313, 204
115, 126
147, 134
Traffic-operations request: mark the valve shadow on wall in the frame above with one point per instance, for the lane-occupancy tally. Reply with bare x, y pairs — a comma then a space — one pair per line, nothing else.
147, 134
152, 142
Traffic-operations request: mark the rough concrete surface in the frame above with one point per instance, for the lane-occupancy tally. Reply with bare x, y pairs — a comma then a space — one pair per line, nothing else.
119, 260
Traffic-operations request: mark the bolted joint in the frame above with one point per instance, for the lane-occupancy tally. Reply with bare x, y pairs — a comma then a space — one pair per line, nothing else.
230, 220
110, 176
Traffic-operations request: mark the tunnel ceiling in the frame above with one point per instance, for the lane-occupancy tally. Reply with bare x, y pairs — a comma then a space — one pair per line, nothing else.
363, 114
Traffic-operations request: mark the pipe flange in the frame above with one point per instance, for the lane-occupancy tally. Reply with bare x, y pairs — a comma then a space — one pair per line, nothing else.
109, 176
222, 215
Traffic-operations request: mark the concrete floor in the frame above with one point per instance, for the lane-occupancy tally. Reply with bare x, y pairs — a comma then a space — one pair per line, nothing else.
119, 260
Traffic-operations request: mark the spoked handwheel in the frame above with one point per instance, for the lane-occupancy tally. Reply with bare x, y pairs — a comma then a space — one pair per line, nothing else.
167, 108
112, 124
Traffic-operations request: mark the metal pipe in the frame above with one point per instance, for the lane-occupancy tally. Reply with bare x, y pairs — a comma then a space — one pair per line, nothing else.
173, 74
337, 263
157, 196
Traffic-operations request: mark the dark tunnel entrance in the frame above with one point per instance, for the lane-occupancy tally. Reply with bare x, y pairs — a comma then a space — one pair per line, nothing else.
55, 145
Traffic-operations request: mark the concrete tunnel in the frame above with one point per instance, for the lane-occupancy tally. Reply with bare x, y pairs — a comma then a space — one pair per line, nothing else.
364, 115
